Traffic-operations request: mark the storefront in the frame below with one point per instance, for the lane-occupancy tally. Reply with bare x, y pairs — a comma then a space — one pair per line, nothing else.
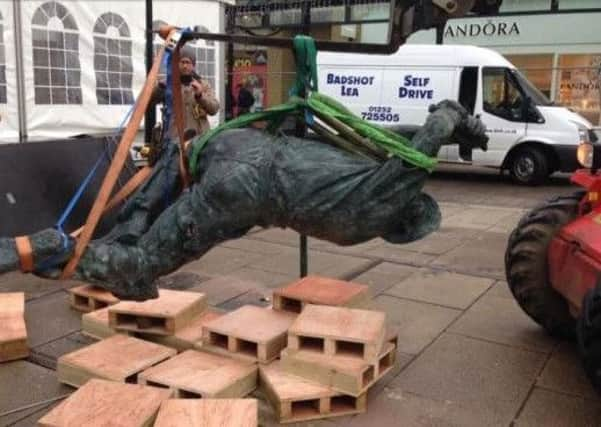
560, 52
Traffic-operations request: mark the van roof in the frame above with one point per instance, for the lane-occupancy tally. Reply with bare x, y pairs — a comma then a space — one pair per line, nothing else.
421, 54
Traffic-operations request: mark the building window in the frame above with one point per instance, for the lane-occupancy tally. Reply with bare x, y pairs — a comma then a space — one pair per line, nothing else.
113, 60
56, 68
579, 85
2, 64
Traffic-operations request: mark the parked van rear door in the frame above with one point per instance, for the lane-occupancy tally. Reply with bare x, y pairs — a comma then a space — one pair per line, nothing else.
501, 108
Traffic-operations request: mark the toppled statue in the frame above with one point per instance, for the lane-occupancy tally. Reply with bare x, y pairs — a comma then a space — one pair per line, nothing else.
248, 178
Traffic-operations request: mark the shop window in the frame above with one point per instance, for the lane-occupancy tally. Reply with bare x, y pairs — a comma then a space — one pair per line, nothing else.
113, 60
509, 6
2, 63
579, 85
57, 71
502, 97
538, 69
579, 4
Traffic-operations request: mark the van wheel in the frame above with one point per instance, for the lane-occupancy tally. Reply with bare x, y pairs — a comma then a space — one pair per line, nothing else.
529, 166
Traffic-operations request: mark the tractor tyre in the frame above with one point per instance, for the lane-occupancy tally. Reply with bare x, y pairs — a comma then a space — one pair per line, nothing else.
589, 336
526, 265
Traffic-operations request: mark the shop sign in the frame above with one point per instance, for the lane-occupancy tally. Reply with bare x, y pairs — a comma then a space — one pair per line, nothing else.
476, 29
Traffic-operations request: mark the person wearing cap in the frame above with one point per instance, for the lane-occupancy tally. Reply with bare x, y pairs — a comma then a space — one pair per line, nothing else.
197, 96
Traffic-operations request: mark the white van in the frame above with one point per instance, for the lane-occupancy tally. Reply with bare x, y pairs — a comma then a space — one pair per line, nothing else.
529, 136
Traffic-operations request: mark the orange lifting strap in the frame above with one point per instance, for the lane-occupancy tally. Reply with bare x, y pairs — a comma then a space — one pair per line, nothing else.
115, 168
25, 253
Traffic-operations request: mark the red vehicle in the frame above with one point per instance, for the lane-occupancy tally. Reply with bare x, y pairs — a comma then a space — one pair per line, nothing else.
553, 262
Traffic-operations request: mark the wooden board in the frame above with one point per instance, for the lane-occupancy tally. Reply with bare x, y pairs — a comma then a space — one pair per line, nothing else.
249, 333
171, 312
339, 331
13, 333
195, 374
88, 298
297, 399
117, 358
208, 413
348, 375
322, 291
106, 403
188, 337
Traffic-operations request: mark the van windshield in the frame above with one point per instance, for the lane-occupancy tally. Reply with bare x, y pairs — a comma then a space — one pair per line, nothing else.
531, 91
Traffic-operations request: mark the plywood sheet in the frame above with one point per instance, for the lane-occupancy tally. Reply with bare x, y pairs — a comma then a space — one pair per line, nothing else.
339, 331
297, 399
320, 290
106, 403
118, 358
165, 315
200, 374
87, 298
208, 413
13, 332
254, 333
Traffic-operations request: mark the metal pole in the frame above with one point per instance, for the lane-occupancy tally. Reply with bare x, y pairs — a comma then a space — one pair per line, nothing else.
229, 113
21, 107
150, 116
300, 132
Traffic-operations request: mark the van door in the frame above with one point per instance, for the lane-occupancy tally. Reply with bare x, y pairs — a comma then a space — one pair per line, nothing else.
501, 108
468, 92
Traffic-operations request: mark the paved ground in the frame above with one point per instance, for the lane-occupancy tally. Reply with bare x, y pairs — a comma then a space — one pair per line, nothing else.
468, 356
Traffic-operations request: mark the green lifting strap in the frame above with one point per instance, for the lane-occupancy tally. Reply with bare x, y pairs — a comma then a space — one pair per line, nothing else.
306, 80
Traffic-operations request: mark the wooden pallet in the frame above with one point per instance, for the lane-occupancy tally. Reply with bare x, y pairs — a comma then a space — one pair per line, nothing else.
118, 358
188, 337
249, 333
107, 403
171, 312
297, 399
13, 332
88, 298
95, 324
348, 375
322, 291
195, 374
208, 413
339, 331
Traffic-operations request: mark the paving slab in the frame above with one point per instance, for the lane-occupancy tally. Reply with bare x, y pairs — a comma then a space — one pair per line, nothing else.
395, 407
251, 244
501, 290
33, 286
269, 279
47, 354
473, 374
501, 320
418, 324
564, 373
479, 217
22, 384
32, 420
285, 236
442, 288
549, 408
259, 298
181, 280
320, 263
50, 318
434, 244
397, 254
221, 260
223, 288
482, 256
383, 276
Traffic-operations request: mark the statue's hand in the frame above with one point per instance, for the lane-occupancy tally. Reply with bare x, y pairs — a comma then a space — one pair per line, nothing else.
51, 250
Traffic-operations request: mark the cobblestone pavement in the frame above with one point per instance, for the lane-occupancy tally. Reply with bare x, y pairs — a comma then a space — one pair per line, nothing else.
468, 356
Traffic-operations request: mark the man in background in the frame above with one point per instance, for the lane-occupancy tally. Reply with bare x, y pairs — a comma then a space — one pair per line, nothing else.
197, 96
